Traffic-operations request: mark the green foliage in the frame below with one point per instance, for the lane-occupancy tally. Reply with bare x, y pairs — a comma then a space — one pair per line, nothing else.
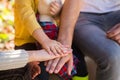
6, 24
3, 38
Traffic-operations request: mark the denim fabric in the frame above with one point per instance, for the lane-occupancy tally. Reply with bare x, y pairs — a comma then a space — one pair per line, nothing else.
90, 38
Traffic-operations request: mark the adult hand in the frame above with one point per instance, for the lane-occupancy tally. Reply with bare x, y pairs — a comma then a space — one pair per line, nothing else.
114, 33
54, 66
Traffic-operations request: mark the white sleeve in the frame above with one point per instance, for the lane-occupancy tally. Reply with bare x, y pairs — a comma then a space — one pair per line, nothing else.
13, 59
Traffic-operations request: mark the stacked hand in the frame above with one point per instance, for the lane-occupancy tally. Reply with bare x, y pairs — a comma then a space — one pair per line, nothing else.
42, 55
53, 47
55, 65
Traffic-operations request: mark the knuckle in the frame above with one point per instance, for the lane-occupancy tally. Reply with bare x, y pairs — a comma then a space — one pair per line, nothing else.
47, 47
58, 67
49, 63
60, 51
53, 67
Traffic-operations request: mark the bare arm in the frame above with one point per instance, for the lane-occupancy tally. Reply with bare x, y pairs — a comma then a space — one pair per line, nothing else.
40, 55
19, 58
69, 15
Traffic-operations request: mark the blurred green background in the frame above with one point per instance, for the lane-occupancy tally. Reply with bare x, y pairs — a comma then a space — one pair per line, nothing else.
6, 25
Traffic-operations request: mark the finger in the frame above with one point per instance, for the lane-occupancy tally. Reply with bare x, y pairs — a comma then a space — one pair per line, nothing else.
53, 11
48, 65
64, 48
114, 31
38, 69
113, 28
70, 66
49, 51
37, 62
53, 65
118, 41
34, 75
67, 50
59, 50
54, 8
60, 44
117, 37
55, 5
60, 65
53, 49
45, 63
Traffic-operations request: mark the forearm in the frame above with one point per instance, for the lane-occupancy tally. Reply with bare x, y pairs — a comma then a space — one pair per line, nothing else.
69, 15
40, 36
19, 58
39, 55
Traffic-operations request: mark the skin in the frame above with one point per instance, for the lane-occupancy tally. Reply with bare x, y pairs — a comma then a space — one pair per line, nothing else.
53, 47
114, 33
67, 24
55, 8
40, 55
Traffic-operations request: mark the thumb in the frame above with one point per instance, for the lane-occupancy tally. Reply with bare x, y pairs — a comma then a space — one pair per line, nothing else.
70, 66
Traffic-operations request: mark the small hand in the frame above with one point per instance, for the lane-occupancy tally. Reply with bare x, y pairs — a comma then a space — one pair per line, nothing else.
114, 33
55, 8
53, 47
35, 69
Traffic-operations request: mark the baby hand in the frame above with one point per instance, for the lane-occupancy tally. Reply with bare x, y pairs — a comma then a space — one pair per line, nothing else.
55, 8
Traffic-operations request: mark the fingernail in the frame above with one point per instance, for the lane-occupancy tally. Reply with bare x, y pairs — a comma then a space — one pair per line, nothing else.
51, 71
56, 71
65, 51
47, 69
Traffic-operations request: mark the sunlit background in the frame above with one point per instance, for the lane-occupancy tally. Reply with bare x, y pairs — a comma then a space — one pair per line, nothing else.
6, 24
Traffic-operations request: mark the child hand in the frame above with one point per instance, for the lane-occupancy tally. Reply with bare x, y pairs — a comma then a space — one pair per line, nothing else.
53, 47
35, 69
55, 8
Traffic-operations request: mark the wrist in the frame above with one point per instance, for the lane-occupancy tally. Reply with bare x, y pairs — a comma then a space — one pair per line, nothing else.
64, 41
40, 36
30, 56
33, 55
65, 37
